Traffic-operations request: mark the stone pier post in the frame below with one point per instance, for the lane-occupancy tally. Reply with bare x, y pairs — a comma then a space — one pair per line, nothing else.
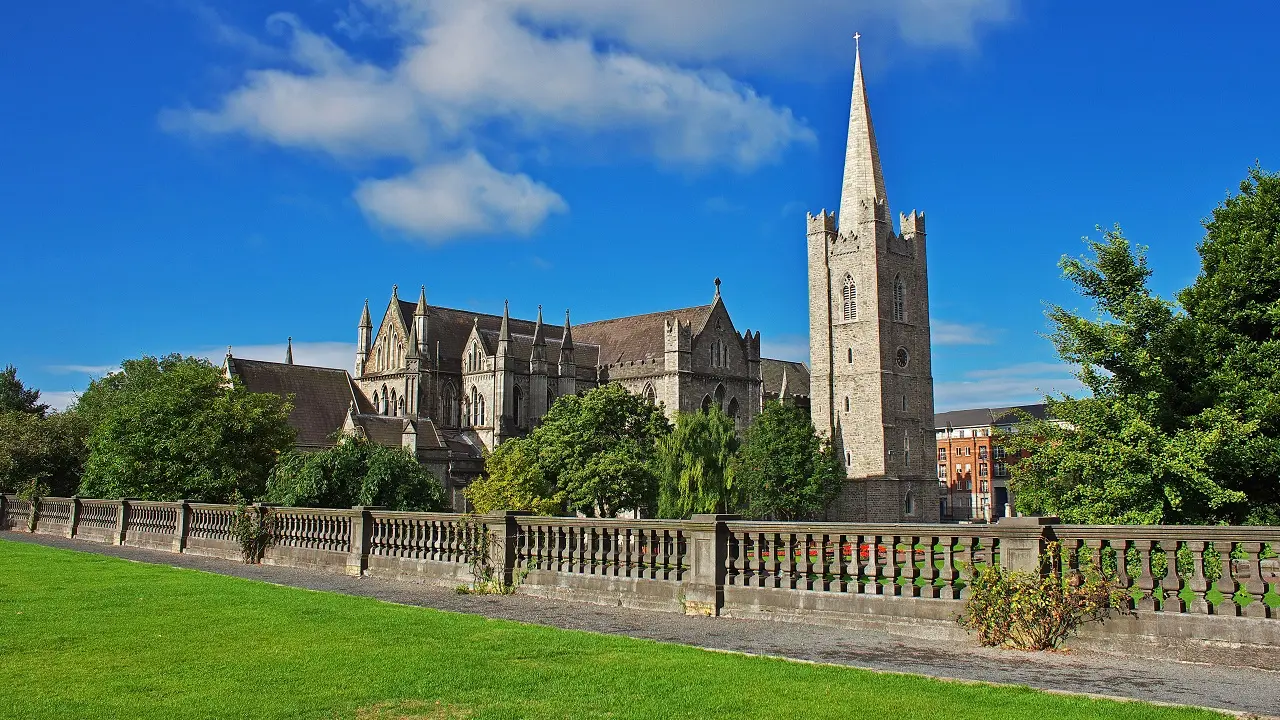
505, 543
74, 518
361, 532
1022, 549
708, 552
180, 527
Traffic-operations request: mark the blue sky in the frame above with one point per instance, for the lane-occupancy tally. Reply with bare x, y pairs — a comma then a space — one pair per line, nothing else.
180, 176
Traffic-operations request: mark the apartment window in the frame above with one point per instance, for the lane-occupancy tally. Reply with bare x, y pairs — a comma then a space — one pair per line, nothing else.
968, 469
942, 454
983, 486
1001, 470
966, 485
967, 452
942, 472
982, 452
982, 469
999, 452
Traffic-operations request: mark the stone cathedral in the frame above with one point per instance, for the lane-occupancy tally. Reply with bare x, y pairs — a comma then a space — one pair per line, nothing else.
871, 386
450, 385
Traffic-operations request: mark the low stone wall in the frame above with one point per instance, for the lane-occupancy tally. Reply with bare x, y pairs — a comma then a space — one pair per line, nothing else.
904, 579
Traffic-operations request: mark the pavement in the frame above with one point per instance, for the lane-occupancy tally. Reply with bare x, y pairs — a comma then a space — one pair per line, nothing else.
1245, 691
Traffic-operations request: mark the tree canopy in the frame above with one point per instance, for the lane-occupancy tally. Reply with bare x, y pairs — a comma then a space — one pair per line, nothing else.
785, 470
594, 453
1182, 424
694, 464
355, 472
175, 427
15, 397
41, 455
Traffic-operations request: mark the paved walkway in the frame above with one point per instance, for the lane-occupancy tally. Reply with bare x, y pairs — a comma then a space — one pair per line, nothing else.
1242, 690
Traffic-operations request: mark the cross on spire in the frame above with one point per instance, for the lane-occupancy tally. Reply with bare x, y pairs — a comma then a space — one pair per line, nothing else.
857, 44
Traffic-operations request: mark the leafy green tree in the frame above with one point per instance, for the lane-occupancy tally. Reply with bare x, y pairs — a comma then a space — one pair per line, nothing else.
354, 472
1235, 304
597, 450
1149, 445
591, 453
694, 464
175, 427
784, 469
41, 455
14, 397
513, 480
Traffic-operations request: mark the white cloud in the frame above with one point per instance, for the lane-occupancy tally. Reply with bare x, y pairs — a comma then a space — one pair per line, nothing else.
468, 196
766, 33
58, 399
512, 73
943, 332
328, 354
94, 370
1000, 387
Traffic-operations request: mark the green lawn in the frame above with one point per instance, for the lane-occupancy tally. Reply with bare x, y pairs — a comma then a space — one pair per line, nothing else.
87, 636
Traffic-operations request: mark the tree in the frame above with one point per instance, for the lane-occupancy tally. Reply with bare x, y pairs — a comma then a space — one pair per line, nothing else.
785, 470
354, 472
1150, 445
41, 455
14, 397
597, 450
594, 453
175, 427
513, 480
1235, 305
694, 464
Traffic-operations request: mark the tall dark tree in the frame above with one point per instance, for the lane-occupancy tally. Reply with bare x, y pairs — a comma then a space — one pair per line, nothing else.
784, 469
175, 427
41, 455
15, 397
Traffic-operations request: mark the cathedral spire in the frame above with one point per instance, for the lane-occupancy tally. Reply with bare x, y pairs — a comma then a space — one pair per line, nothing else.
539, 335
422, 302
365, 321
504, 332
288, 352
567, 341
863, 178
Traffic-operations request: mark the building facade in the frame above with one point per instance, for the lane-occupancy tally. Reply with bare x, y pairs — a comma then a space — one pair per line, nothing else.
871, 387
973, 474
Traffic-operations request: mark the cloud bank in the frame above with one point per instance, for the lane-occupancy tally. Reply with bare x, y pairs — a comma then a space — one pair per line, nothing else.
468, 76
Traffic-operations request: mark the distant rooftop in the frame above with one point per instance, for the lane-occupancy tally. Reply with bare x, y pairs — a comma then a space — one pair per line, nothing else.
987, 417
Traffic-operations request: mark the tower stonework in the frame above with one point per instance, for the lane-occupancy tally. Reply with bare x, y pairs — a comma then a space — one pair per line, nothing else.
872, 383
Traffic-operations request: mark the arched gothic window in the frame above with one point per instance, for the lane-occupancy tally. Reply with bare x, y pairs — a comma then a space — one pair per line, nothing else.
449, 405
376, 406
551, 398
899, 300
392, 403
649, 394
850, 298
482, 410
516, 397
720, 396
473, 417
706, 403
401, 411
733, 411
909, 505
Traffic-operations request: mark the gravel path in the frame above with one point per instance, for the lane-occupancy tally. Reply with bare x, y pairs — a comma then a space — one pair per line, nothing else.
1242, 690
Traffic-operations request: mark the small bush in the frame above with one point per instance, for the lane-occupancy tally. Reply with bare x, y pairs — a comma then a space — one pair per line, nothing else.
1029, 611
252, 527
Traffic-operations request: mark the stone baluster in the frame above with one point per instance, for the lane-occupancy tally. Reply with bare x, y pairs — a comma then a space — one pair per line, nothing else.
1253, 582
1226, 580
1146, 581
1198, 583
1171, 585
839, 567
1095, 555
871, 571
909, 570
968, 564
928, 572
948, 572
889, 572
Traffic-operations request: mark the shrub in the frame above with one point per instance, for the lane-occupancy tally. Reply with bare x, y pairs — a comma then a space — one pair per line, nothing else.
253, 528
1030, 611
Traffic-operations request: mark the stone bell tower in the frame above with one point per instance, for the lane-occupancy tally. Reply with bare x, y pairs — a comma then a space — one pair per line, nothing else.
872, 383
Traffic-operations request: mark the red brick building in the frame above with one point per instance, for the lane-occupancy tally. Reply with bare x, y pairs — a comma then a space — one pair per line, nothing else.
972, 474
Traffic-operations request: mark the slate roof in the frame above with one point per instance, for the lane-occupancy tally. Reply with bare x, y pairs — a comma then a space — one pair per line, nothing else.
606, 342
638, 337
986, 417
321, 396
797, 377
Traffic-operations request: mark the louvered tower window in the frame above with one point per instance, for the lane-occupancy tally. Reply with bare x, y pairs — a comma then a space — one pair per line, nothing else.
899, 300
850, 299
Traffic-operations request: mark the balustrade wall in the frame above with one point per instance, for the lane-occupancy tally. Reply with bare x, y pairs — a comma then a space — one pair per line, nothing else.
1193, 589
